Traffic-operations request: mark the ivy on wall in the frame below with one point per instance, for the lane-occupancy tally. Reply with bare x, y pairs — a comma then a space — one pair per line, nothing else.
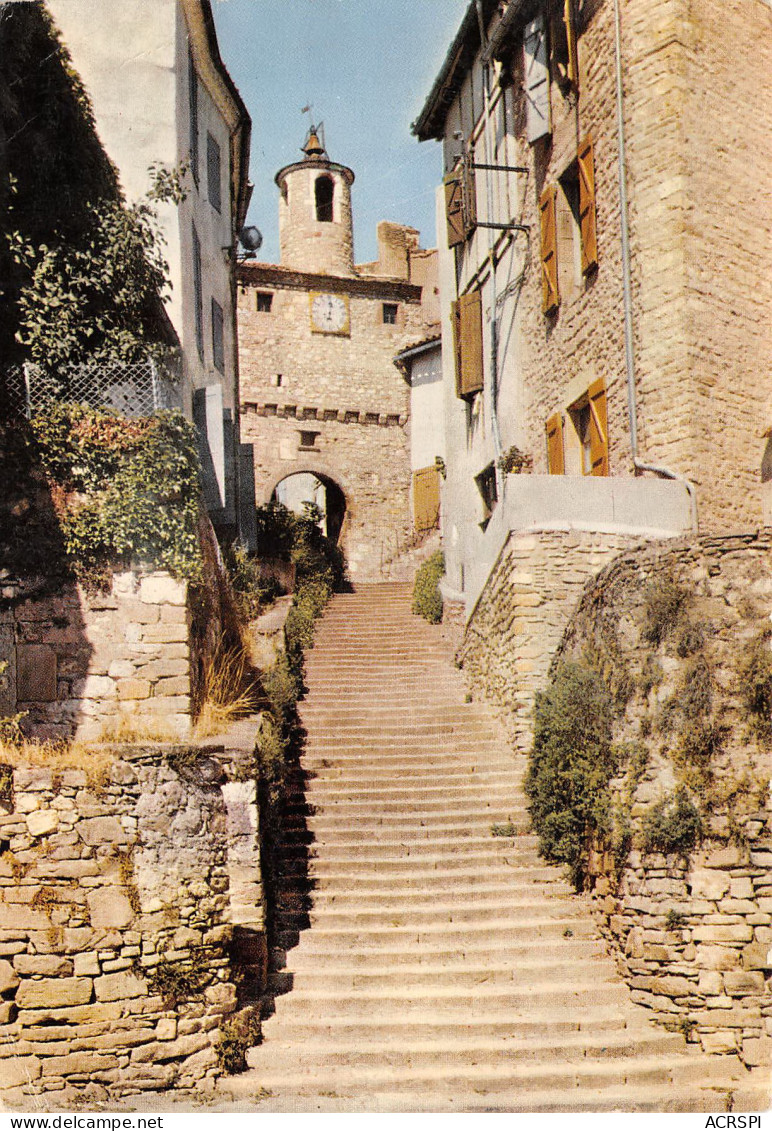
124, 490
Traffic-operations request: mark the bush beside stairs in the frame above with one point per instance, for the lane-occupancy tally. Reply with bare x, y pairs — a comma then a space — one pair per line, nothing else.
425, 963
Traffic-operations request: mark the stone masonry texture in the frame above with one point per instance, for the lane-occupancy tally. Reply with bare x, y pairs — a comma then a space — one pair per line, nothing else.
113, 888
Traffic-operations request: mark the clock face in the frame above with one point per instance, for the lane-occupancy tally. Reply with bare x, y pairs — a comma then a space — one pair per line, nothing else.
329, 314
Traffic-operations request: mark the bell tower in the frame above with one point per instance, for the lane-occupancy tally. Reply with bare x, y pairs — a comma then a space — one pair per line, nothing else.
315, 229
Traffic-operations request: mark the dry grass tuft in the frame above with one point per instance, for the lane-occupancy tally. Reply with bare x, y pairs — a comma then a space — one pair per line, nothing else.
231, 692
58, 756
130, 729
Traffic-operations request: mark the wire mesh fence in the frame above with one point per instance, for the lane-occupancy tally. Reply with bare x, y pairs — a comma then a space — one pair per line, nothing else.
136, 389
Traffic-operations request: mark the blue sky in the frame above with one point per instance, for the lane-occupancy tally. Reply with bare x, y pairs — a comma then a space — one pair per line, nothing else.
366, 66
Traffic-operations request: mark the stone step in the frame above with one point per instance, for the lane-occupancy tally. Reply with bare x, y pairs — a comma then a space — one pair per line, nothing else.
367, 832
369, 897
319, 1054
407, 885
450, 1001
439, 937
419, 979
477, 851
511, 910
439, 955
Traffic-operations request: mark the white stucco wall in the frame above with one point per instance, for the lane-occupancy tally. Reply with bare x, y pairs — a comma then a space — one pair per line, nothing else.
427, 432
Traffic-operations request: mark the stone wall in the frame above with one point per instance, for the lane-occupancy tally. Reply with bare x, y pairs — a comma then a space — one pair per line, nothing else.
114, 967
83, 663
521, 616
693, 929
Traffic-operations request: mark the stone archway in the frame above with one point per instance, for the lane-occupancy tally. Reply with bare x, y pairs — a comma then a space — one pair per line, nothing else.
300, 487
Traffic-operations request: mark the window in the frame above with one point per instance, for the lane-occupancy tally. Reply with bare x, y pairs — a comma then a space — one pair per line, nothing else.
569, 245
218, 336
324, 191
556, 464
536, 79
264, 302
565, 55
213, 173
468, 343
389, 313
307, 440
486, 485
193, 117
198, 295
590, 419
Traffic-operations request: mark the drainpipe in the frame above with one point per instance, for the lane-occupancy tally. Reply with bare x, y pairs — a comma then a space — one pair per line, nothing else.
632, 406
493, 390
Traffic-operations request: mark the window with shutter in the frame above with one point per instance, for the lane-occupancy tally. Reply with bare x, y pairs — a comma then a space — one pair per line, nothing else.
213, 172
596, 397
536, 79
426, 498
555, 451
193, 117
549, 259
469, 196
572, 62
218, 336
198, 294
468, 343
587, 225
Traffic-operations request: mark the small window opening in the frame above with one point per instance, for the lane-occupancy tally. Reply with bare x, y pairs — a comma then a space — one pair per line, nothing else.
324, 190
390, 310
264, 301
307, 440
486, 485
278, 380
581, 417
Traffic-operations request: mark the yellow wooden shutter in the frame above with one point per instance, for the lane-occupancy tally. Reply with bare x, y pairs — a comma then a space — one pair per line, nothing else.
555, 454
550, 293
470, 344
587, 224
469, 197
596, 395
454, 207
426, 498
572, 70
455, 321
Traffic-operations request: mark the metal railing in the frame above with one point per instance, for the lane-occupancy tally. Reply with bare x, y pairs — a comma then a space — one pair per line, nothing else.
134, 389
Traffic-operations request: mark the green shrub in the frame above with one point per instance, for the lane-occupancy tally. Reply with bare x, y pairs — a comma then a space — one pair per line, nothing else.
755, 679
570, 765
239, 1033
665, 602
252, 591
176, 982
427, 599
672, 825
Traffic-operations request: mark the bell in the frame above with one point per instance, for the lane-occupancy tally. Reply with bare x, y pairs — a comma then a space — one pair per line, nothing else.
313, 147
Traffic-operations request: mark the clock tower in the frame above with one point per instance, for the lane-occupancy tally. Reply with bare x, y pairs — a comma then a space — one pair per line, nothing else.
315, 230
324, 409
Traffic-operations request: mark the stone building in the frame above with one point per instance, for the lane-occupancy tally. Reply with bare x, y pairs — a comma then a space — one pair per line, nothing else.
161, 95
605, 310
323, 404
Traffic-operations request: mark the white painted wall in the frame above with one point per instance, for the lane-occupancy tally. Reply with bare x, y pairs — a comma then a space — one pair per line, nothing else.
427, 431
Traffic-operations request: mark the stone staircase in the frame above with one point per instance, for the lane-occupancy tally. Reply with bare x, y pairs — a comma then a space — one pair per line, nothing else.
428, 959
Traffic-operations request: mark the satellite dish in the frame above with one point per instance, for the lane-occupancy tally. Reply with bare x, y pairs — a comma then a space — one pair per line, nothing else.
251, 238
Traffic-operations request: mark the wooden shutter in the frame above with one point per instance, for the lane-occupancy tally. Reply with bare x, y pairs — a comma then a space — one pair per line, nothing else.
555, 451
426, 498
536, 84
469, 196
550, 293
469, 372
596, 395
587, 225
454, 207
572, 69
